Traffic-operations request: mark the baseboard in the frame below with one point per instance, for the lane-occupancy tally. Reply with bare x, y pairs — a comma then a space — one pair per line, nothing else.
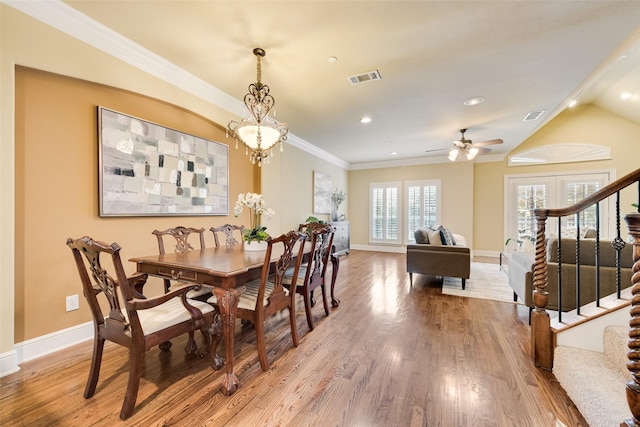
8, 363
491, 254
44, 345
380, 248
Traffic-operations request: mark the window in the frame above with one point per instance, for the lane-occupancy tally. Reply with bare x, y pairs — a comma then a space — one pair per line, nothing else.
421, 209
385, 216
422, 206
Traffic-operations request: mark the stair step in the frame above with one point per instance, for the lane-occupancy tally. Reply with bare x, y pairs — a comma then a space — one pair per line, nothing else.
595, 381
590, 311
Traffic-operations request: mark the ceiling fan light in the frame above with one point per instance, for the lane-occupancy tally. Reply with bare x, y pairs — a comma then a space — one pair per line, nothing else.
453, 154
471, 154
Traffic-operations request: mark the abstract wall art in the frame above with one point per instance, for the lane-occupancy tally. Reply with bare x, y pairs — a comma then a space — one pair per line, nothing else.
150, 170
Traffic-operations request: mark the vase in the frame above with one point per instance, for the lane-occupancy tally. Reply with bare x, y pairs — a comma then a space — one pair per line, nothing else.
255, 245
334, 213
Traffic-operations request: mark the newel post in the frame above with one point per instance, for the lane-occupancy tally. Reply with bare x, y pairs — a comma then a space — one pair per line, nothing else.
541, 336
633, 385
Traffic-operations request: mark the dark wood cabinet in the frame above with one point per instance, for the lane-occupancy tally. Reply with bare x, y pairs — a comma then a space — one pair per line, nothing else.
341, 237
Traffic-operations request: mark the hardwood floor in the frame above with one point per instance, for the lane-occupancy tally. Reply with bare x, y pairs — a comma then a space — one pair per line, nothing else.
390, 355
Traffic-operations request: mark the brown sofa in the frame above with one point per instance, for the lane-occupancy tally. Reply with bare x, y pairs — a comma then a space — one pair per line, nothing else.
434, 258
521, 272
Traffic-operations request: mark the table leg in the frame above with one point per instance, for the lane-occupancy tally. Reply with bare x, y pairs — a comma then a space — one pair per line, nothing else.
228, 303
335, 266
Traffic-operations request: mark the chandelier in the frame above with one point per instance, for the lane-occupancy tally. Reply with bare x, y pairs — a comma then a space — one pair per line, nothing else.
259, 133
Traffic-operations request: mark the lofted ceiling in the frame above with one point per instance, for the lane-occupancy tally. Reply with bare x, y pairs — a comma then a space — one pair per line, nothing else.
522, 57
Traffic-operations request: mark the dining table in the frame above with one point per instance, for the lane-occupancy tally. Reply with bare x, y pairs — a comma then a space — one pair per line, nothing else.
225, 269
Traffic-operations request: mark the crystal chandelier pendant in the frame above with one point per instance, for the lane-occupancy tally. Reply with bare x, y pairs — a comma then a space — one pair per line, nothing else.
259, 132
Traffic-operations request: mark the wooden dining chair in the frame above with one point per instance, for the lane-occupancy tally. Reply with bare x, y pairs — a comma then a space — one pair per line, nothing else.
227, 230
183, 237
311, 274
128, 318
267, 296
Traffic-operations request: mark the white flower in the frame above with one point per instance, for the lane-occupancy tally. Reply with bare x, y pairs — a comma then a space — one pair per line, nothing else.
256, 204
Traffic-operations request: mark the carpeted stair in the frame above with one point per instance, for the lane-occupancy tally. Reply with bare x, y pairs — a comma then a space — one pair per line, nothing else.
596, 381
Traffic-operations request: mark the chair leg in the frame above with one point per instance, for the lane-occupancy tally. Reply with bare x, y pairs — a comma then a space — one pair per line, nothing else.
294, 326
410, 279
324, 301
94, 373
463, 284
262, 349
136, 358
307, 308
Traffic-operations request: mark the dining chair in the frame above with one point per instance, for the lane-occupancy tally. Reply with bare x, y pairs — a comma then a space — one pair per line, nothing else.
267, 296
227, 230
311, 274
124, 315
182, 237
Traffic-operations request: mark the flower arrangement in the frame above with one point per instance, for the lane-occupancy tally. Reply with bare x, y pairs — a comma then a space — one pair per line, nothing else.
257, 206
337, 197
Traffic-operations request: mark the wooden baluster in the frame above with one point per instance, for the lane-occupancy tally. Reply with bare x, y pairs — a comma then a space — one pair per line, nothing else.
633, 385
541, 337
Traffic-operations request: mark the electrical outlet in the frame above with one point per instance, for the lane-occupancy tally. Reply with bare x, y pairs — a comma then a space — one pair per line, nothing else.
73, 303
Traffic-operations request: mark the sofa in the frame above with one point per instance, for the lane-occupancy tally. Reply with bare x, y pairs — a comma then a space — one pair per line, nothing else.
520, 271
439, 252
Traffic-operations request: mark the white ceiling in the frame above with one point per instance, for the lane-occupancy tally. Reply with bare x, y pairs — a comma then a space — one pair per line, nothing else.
432, 55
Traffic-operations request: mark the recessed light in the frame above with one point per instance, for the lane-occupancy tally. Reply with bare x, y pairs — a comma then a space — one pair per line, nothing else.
474, 101
393, 153
332, 59
625, 95
572, 103
365, 120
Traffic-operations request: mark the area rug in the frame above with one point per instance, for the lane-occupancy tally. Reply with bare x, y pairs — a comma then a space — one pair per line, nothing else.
486, 281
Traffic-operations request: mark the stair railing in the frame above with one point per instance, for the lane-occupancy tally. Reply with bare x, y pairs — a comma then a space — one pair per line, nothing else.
542, 338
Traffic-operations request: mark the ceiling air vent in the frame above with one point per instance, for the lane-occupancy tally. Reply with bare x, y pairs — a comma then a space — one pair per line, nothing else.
534, 115
366, 77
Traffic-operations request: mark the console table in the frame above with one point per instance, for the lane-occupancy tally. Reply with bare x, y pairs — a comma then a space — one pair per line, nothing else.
341, 237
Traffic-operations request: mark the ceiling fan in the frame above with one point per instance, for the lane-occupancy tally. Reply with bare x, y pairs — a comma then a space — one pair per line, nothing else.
465, 149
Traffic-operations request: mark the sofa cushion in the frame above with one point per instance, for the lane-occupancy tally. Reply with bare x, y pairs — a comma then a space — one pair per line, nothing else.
421, 236
446, 237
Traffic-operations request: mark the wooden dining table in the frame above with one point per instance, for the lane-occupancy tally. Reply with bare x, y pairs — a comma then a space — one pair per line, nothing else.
226, 269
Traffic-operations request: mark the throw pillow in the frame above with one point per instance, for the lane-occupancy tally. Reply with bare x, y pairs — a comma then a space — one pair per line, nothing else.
446, 237
434, 237
421, 236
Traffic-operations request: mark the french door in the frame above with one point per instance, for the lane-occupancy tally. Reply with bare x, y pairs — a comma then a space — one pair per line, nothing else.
527, 192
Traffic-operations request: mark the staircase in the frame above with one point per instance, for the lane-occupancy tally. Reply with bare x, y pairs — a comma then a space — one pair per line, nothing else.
603, 382
594, 380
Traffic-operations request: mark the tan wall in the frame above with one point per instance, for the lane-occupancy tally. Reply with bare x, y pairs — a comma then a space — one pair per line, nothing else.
288, 187
57, 190
584, 124
456, 188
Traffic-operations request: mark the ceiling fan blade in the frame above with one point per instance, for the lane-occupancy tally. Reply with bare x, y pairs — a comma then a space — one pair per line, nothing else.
490, 142
435, 149
484, 150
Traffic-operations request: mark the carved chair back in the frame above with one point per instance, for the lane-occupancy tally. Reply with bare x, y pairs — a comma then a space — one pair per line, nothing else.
182, 237
227, 230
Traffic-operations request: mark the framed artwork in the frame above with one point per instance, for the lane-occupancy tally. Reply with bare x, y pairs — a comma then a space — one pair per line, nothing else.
149, 170
321, 193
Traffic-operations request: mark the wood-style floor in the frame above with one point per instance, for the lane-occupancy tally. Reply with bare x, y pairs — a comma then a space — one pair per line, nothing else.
390, 355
